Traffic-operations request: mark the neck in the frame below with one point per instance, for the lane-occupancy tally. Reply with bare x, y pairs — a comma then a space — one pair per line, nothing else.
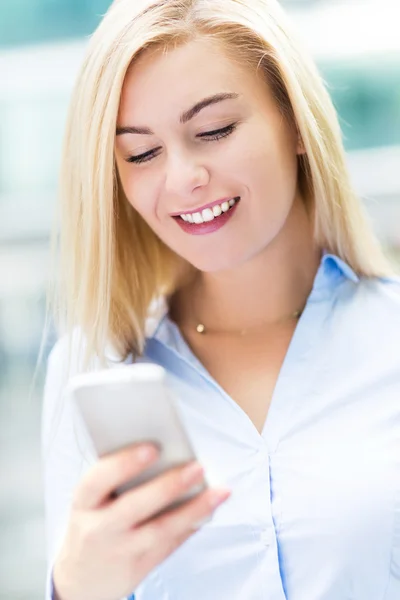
270, 287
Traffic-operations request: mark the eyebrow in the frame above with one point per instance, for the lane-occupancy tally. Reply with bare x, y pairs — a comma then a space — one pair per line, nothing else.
186, 116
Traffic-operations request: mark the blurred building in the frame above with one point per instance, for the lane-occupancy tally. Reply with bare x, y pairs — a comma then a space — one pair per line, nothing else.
41, 47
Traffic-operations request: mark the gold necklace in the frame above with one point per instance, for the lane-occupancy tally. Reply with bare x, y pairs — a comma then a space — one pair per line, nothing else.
201, 328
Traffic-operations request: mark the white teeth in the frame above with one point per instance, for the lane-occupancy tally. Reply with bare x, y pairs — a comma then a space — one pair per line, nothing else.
217, 210
197, 218
207, 215
225, 206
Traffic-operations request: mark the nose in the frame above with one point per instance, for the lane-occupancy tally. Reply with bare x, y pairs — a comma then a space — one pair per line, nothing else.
184, 173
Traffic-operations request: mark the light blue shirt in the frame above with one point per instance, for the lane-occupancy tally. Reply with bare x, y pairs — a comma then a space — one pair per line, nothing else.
315, 507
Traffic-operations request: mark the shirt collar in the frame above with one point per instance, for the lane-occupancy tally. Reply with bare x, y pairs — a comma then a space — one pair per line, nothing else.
333, 268
331, 272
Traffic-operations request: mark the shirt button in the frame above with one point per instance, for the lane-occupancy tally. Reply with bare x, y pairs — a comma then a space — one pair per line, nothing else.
265, 537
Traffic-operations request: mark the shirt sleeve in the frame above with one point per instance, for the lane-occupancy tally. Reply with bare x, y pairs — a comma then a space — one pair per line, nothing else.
66, 452
50, 593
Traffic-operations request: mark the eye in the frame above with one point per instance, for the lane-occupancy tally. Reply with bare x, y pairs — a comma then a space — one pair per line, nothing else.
209, 136
218, 133
141, 158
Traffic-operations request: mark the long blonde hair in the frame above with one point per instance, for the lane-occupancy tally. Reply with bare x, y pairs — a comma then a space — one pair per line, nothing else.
111, 264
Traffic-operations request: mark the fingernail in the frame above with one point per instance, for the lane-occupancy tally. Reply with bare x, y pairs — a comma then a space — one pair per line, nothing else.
218, 497
192, 473
147, 453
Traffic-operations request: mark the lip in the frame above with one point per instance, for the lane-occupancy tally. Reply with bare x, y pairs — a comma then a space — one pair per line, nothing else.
208, 226
210, 205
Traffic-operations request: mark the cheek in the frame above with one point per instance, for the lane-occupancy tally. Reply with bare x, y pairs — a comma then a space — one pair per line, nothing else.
271, 167
139, 190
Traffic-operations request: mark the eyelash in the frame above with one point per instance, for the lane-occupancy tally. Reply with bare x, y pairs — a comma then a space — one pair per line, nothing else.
212, 135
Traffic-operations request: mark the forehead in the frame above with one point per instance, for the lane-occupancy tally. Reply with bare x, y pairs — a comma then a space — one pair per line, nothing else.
180, 77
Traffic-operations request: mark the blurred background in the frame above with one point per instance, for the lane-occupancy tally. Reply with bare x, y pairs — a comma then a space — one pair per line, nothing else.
357, 47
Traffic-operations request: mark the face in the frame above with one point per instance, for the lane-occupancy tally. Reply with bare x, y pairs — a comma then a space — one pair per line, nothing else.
176, 161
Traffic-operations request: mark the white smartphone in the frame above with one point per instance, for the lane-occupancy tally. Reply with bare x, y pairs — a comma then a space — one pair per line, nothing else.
130, 405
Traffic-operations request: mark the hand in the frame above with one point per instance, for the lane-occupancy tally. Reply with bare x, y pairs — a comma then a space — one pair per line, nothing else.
112, 544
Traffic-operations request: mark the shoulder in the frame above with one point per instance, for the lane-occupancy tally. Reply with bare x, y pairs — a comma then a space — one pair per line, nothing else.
366, 293
381, 295
62, 430
63, 363
67, 357
367, 315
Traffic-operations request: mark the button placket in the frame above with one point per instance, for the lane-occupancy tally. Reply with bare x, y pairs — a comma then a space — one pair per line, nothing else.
266, 537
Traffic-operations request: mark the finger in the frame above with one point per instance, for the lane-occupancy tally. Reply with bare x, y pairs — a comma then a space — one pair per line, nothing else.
161, 536
110, 472
138, 505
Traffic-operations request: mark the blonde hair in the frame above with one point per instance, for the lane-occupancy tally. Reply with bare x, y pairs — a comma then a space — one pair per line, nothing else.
112, 265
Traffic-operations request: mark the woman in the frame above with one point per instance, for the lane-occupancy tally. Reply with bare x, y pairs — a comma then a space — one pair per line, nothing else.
204, 167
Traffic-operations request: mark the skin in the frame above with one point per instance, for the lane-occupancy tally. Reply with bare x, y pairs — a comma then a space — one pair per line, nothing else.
264, 258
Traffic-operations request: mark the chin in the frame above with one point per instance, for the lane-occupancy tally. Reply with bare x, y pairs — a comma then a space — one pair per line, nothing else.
212, 264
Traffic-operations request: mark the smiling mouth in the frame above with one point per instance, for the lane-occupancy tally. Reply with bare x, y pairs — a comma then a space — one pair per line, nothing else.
209, 214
